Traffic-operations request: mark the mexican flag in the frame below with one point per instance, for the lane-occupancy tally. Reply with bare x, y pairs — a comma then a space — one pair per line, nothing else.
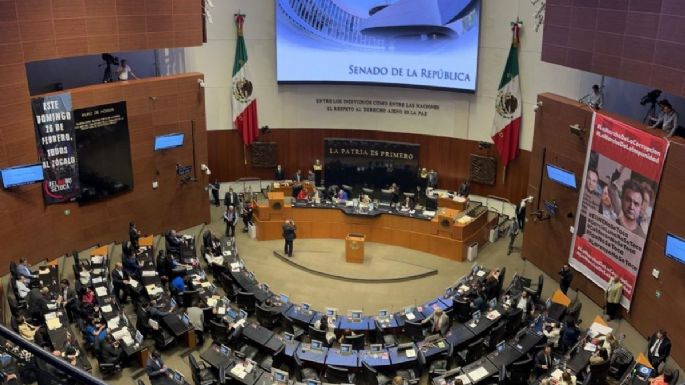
244, 100
507, 124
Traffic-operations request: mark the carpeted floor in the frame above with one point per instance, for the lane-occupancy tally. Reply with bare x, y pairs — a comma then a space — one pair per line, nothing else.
320, 291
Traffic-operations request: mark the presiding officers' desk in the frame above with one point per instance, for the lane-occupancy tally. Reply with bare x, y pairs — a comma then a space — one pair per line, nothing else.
415, 230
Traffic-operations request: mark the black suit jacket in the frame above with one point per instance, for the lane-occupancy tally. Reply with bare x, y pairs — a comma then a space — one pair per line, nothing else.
111, 354
118, 278
279, 175
231, 199
664, 348
540, 360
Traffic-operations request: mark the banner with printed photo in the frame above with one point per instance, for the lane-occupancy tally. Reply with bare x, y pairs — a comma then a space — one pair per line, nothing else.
621, 179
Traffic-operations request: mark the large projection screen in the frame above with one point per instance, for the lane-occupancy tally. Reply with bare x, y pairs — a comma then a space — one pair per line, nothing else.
414, 43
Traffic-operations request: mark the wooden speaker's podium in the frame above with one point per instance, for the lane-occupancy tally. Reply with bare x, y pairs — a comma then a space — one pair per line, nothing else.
458, 204
354, 248
276, 204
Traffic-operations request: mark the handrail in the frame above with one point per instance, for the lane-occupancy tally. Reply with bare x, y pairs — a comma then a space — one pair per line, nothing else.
79, 375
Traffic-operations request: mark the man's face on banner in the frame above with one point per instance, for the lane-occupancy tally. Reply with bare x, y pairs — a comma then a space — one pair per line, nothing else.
591, 181
631, 204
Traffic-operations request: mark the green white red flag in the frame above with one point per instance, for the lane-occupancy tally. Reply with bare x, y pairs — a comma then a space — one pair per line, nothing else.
243, 97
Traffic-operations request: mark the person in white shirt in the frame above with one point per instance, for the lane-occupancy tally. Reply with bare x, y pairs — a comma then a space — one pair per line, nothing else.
124, 71
22, 286
667, 120
552, 331
596, 98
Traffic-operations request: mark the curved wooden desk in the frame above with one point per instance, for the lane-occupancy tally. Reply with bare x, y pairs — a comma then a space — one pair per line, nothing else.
446, 240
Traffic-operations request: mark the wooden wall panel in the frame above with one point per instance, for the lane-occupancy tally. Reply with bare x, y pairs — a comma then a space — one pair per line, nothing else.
38, 231
298, 148
547, 244
51, 29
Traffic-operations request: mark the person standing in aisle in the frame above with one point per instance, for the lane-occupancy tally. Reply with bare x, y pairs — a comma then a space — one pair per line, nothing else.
289, 236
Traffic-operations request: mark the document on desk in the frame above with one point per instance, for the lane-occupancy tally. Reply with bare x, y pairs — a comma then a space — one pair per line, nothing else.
211, 301
464, 288
600, 329
464, 379
53, 323
148, 273
106, 309
590, 347
206, 284
133, 282
429, 213
410, 316
556, 374
478, 373
411, 353
101, 291
97, 259
227, 253
97, 279
239, 371
493, 315
113, 323
480, 273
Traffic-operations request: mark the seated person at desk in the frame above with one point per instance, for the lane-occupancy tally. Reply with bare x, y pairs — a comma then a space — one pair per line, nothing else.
659, 348
348, 333
329, 328
22, 285
156, 310
599, 356
552, 332
174, 241
439, 321
111, 351
399, 380
665, 379
142, 319
464, 189
24, 269
302, 195
567, 379
395, 193
157, 372
543, 360
178, 284
93, 330
342, 196
70, 349
38, 303
120, 281
88, 296
407, 205
478, 302
26, 330
525, 303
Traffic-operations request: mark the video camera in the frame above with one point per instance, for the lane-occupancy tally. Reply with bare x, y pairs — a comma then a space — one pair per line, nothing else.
652, 97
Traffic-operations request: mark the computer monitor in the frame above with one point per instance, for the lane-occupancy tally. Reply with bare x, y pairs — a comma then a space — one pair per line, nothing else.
492, 303
476, 315
288, 337
279, 376
548, 303
185, 319
178, 377
331, 311
283, 298
225, 350
383, 313
231, 313
139, 337
313, 382
643, 371
250, 275
316, 345
345, 348
356, 314
164, 142
500, 346
243, 314
376, 348
305, 306
408, 309
225, 300
172, 303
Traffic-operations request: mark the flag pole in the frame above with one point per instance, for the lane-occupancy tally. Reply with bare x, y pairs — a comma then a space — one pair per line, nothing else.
245, 154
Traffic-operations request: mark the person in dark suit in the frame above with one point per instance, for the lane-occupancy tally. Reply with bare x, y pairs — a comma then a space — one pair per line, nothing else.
133, 235
231, 198
297, 177
120, 280
111, 351
69, 299
566, 277
214, 189
543, 361
659, 348
248, 211
464, 189
157, 372
38, 304
279, 174
289, 236
569, 335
